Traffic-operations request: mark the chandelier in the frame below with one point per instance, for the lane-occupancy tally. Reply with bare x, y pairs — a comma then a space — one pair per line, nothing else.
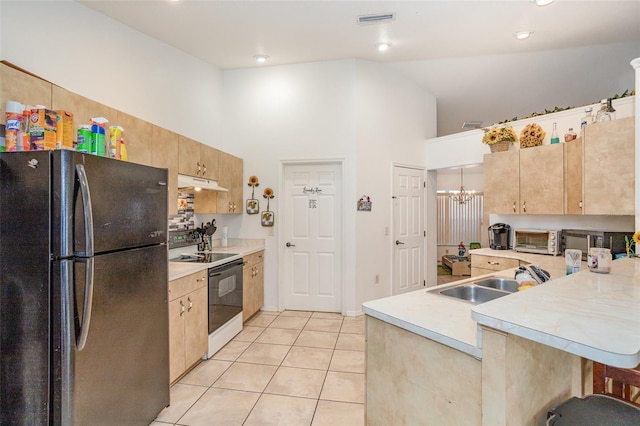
462, 196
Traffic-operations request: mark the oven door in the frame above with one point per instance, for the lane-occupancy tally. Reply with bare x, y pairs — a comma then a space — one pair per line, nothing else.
225, 293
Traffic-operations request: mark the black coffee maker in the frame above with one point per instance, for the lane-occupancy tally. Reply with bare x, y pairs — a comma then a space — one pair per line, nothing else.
500, 236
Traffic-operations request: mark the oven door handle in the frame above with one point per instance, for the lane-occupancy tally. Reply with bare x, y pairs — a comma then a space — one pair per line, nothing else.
217, 274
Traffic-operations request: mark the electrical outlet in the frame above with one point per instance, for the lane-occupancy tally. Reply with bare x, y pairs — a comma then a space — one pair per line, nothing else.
446, 251
271, 231
386, 230
377, 279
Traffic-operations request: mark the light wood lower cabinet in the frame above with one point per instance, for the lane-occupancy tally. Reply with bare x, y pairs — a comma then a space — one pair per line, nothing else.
252, 284
188, 317
481, 264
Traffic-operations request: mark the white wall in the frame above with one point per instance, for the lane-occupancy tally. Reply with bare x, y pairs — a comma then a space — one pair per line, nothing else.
393, 114
96, 57
341, 109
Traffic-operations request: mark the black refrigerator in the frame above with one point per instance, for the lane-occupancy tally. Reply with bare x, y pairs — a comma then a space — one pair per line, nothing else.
84, 336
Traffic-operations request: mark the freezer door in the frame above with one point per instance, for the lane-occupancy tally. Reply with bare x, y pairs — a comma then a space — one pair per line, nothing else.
121, 376
128, 202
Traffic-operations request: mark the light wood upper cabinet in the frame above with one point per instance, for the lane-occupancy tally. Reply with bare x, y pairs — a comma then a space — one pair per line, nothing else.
573, 176
189, 157
502, 182
137, 138
210, 158
16, 85
164, 154
197, 159
609, 168
525, 181
230, 170
82, 108
542, 180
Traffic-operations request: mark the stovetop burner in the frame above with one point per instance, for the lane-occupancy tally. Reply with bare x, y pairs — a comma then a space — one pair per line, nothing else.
202, 257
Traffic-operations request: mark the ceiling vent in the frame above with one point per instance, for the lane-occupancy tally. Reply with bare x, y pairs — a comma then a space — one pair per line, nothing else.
380, 18
472, 124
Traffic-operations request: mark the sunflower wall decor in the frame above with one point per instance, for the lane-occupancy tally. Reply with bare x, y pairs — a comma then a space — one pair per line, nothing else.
253, 205
268, 217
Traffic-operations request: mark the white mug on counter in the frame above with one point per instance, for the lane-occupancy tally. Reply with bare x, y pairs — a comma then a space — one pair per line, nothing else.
599, 260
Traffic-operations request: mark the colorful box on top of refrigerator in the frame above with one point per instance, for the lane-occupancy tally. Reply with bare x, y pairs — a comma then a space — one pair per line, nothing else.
64, 130
42, 129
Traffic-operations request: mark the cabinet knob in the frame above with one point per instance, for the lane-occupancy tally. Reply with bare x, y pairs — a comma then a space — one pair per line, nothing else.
493, 263
524, 207
204, 169
190, 304
182, 308
199, 168
580, 204
514, 206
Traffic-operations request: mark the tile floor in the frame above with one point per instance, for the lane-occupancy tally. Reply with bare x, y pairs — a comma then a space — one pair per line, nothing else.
288, 368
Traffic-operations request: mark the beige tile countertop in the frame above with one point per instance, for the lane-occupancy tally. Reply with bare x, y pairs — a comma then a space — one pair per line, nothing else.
596, 316
453, 322
240, 246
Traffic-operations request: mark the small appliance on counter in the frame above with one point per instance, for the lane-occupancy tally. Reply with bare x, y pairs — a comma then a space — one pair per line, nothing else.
581, 239
540, 241
500, 236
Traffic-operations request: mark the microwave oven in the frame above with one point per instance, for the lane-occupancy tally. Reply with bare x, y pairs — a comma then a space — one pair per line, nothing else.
537, 241
581, 239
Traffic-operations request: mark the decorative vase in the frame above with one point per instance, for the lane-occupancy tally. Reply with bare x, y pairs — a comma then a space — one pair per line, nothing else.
500, 146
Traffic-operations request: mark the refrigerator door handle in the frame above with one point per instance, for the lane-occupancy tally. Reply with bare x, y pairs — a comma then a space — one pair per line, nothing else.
89, 269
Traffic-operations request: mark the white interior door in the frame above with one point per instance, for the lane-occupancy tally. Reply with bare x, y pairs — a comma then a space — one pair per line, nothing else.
408, 229
312, 226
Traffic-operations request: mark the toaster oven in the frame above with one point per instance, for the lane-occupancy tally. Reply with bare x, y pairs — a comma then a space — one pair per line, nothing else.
537, 241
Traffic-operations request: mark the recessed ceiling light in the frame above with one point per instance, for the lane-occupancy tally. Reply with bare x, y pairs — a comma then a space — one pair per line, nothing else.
523, 35
261, 59
383, 47
543, 2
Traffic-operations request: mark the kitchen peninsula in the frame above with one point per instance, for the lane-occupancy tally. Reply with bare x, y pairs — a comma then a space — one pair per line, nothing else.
434, 359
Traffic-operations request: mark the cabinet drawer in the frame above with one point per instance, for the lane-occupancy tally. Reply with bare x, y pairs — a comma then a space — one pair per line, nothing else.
253, 259
181, 286
493, 263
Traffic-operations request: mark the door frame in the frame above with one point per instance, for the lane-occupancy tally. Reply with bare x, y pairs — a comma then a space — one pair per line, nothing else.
393, 222
281, 237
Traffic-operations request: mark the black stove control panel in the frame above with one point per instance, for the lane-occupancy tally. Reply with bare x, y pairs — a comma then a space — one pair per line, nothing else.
182, 239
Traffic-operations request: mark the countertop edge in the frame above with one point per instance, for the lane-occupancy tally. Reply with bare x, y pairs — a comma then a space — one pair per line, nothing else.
598, 355
429, 334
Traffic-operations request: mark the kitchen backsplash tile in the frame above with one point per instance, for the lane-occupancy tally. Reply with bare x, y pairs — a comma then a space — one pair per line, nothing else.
185, 219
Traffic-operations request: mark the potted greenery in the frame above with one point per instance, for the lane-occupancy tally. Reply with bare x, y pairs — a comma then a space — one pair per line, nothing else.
499, 138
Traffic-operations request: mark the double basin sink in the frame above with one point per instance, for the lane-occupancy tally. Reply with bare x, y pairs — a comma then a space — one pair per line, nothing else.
482, 290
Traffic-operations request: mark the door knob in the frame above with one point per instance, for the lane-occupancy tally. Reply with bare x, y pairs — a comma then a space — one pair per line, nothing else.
290, 245
398, 242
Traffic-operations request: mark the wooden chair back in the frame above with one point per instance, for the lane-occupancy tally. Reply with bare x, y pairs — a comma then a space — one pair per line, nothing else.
621, 383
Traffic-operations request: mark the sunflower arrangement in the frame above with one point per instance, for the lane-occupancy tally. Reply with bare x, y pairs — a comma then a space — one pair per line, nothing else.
629, 243
268, 194
253, 182
499, 134
531, 135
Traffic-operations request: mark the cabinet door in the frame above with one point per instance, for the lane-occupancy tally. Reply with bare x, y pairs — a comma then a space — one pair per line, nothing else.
165, 155
230, 170
209, 157
501, 182
573, 171
82, 108
542, 180
137, 137
247, 292
189, 157
19, 86
177, 311
609, 168
196, 325
258, 283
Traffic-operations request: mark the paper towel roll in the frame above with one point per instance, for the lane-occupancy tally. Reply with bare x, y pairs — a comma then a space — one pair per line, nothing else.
225, 236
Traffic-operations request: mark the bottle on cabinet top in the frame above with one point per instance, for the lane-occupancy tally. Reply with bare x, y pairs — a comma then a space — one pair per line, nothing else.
603, 115
554, 134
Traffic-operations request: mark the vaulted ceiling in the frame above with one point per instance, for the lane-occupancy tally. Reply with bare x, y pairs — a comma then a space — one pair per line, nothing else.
464, 52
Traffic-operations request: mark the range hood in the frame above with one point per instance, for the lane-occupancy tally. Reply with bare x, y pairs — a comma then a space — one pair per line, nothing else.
196, 183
